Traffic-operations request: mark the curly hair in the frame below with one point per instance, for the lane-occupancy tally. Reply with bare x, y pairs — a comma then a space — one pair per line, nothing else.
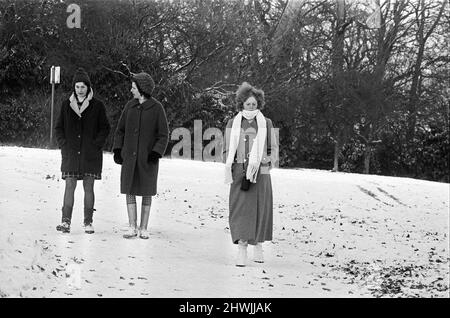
245, 91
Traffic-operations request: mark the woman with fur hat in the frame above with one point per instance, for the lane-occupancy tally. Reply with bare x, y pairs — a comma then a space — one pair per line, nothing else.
81, 131
140, 140
251, 150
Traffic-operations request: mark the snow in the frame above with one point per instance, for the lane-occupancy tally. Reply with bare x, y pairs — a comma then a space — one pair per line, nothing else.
335, 235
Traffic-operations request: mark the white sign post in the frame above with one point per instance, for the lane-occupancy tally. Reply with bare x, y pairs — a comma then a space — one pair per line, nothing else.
54, 79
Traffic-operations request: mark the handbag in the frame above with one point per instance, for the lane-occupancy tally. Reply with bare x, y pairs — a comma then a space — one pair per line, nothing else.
245, 184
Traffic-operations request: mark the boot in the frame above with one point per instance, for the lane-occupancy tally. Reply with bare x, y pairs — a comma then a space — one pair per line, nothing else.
65, 220
63, 227
89, 229
258, 256
241, 260
88, 213
144, 234
132, 232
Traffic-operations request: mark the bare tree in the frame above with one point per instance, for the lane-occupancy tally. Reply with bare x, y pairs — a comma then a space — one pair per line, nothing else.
427, 16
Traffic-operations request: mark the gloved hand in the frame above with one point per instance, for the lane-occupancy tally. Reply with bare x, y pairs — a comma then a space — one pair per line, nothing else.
153, 156
117, 156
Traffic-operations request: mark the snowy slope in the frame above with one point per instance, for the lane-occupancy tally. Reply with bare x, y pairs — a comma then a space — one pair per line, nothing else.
335, 235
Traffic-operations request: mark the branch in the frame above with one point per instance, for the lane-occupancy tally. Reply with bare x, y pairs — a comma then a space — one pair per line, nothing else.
114, 71
185, 65
435, 22
119, 72
210, 54
216, 86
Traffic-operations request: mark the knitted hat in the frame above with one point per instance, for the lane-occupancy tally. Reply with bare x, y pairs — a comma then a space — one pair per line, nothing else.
81, 76
145, 82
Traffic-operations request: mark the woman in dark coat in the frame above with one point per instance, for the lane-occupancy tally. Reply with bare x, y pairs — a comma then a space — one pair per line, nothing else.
81, 131
140, 140
251, 151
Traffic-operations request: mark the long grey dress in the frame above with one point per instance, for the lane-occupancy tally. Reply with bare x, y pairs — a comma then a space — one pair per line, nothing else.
251, 212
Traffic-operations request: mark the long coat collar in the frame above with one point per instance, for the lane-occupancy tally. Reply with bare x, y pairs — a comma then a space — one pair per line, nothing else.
149, 103
74, 105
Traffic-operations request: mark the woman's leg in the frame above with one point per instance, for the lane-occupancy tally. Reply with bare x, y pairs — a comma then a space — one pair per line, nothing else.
258, 253
241, 260
71, 184
145, 211
89, 199
132, 210
132, 216
69, 191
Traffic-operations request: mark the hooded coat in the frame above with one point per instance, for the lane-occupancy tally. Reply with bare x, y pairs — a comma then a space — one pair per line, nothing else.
142, 128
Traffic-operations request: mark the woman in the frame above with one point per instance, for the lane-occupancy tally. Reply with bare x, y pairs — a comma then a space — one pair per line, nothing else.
251, 150
141, 138
81, 131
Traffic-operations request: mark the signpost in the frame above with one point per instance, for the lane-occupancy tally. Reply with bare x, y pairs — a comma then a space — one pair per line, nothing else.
54, 79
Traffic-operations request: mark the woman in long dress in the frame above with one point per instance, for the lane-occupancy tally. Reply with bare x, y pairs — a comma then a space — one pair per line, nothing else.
251, 151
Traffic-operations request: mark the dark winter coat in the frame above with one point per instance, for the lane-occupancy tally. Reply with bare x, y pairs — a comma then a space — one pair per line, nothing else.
81, 139
142, 128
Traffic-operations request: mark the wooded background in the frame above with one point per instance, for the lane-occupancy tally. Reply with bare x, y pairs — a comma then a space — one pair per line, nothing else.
345, 96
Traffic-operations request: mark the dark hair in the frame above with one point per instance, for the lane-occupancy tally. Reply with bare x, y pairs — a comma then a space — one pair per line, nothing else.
87, 92
147, 96
245, 91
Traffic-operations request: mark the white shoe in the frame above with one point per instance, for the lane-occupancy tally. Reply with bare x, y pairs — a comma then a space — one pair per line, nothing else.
258, 256
144, 234
241, 260
131, 232
88, 228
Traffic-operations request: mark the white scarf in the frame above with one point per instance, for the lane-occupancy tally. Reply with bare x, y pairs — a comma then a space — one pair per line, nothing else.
250, 114
256, 153
84, 105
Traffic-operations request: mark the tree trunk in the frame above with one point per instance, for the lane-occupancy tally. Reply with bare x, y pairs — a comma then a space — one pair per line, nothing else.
367, 155
413, 96
337, 64
421, 37
337, 61
337, 153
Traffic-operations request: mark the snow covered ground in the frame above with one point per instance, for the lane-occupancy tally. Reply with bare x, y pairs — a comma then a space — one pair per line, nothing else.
335, 235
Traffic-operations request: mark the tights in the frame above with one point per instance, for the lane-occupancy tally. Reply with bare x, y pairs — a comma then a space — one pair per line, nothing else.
132, 210
88, 185
146, 200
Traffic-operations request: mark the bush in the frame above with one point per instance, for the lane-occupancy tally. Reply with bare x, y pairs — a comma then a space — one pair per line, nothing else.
25, 120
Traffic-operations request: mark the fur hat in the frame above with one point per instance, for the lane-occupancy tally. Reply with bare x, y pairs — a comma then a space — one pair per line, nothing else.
81, 76
245, 91
144, 82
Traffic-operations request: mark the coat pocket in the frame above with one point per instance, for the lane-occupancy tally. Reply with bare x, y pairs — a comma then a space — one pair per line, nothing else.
93, 152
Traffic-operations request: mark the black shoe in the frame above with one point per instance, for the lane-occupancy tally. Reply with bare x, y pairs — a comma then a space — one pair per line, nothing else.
63, 227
